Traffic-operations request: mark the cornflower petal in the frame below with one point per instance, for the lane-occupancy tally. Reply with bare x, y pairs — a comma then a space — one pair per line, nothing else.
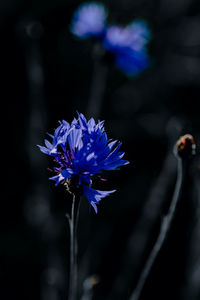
75, 139
95, 196
58, 178
140, 34
48, 144
66, 174
44, 149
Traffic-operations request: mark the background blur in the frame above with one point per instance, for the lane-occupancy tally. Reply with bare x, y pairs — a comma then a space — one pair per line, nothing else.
47, 76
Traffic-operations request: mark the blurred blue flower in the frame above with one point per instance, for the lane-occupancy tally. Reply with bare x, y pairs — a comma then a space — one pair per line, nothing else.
81, 150
128, 46
89, 20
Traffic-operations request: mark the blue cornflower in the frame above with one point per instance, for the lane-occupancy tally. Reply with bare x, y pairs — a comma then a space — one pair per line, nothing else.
81, 150
128, 46
89, 20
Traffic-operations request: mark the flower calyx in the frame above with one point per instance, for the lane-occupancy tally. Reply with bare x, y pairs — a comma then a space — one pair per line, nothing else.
185, 146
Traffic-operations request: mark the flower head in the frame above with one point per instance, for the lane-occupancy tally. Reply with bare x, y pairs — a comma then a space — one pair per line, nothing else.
185, 146
81, 150
128, 46
89, 20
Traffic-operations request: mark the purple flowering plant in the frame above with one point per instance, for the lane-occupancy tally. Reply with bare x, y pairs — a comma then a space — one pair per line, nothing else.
127, 45
81, 150
89, 20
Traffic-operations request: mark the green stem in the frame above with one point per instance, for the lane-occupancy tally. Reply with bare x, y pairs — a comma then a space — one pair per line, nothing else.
73, 221
165, 226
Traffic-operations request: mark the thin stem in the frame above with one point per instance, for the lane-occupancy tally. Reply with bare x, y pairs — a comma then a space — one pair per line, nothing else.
165, 226
97, 88
73, 221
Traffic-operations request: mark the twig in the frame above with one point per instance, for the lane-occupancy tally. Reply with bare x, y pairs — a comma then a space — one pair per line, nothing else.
184, 148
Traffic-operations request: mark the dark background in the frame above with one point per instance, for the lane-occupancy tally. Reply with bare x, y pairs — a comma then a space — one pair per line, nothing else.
46, 76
